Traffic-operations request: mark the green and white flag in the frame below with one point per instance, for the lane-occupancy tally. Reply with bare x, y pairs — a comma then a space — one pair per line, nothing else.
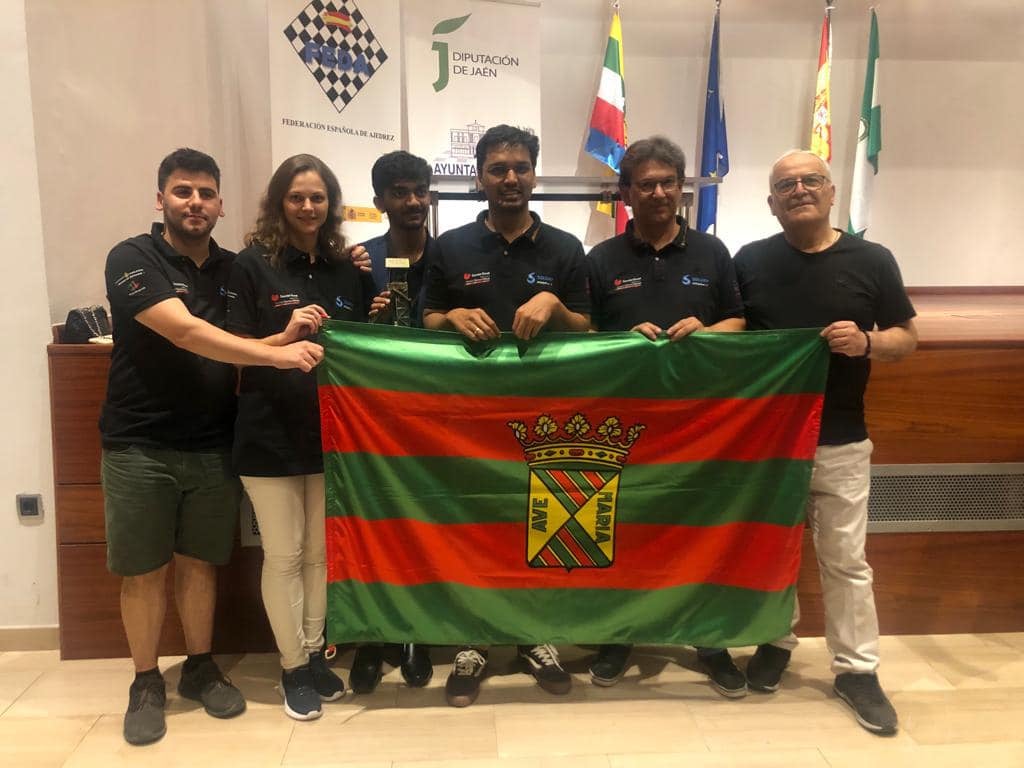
869, 141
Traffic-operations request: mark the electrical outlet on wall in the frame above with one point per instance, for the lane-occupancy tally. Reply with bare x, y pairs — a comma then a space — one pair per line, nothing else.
30, 508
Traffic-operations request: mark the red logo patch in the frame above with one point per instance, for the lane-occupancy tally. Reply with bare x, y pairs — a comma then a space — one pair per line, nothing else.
274, 297
618, 281
466, 275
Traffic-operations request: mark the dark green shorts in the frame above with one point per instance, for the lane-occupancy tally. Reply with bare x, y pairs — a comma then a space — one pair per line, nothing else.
159, 501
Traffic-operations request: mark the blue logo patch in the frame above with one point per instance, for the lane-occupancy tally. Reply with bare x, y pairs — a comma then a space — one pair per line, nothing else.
535, 278
342, 303
703, 282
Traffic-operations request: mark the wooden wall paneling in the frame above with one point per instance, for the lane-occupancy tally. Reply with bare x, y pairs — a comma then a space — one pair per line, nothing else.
90, 609
80, 518
78, 385
948, 406
932, 583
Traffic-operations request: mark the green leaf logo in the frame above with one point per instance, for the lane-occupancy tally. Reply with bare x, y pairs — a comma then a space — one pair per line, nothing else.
450, 25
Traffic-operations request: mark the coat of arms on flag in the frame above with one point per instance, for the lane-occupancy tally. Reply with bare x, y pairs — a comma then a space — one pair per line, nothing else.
335, 42
574, 489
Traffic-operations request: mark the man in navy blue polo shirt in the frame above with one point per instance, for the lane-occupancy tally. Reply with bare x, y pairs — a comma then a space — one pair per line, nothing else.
166, 427
507, 271
401, 191
661, 277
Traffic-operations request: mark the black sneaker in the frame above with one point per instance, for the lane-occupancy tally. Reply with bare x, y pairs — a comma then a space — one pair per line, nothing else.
463, 684
416, 666
765, 668
144, 721
207, 684
366, 669
301, 701
868, 701
326, 683
542, 662
725, 676
610, 665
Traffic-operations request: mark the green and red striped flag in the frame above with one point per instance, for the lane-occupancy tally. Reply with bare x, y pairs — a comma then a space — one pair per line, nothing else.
582, 488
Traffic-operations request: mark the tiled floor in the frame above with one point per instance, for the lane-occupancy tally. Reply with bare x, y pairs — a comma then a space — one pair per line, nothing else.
960, 700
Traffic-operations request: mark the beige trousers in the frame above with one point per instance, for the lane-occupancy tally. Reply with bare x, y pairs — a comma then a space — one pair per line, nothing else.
837, 513
290, 513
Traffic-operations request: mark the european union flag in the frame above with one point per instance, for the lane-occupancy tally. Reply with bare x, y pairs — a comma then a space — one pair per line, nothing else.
714, 158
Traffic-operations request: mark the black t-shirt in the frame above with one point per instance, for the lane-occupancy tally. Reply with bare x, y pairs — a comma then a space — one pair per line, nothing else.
631, 283
473, 267
852, 280
157, 394
277, 433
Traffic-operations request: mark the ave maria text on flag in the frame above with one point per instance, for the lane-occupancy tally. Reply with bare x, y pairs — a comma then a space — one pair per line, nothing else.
583, 488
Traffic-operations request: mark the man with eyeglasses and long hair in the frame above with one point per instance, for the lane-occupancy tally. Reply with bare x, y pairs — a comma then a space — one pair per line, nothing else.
662, 278
812, 275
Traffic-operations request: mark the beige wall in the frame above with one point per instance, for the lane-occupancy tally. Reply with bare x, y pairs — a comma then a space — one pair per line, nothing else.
116, 84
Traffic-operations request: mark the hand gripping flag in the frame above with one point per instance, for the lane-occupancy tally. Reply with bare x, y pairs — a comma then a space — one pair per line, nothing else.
583, 488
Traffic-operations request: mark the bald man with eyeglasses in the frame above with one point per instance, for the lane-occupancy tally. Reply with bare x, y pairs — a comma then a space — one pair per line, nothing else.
812, 275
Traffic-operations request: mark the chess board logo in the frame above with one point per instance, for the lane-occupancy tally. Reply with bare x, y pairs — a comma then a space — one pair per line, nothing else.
574, 489
337, 46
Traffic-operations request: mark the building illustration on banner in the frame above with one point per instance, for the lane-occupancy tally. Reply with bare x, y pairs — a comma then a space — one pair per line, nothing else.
339, 49
460, 159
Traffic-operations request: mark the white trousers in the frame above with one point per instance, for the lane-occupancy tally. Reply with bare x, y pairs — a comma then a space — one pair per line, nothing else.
290, 513
837, 513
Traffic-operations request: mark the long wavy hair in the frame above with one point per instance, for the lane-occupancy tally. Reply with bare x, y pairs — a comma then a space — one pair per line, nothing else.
271, 230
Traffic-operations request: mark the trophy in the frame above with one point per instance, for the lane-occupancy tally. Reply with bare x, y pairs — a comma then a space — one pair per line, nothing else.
398, 285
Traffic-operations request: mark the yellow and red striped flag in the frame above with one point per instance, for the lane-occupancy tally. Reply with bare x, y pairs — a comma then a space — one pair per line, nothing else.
337, 19
821, 120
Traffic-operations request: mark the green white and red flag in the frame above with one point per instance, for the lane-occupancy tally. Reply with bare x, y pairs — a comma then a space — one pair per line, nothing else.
583, 488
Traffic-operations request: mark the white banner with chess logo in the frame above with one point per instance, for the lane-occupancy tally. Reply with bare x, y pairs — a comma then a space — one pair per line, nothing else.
335, 92
469, 64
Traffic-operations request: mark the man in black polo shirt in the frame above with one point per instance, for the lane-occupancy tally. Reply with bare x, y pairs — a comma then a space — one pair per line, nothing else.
166, 427
507, 271
661, 277
811, 275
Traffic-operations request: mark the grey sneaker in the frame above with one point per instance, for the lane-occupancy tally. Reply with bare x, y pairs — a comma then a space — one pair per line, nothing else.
144, 721
463, 684
868, 701
542, 662
207, 684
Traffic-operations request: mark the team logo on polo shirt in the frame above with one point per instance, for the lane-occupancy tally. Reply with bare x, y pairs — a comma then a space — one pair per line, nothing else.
536, 278
133, 281
343, 303
284, 300
180, 288
475, 278
335, 43
625, 283
574, 489
702, 282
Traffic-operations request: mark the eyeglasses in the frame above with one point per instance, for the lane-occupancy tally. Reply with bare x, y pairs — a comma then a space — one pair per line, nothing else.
812, 182
647, 187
